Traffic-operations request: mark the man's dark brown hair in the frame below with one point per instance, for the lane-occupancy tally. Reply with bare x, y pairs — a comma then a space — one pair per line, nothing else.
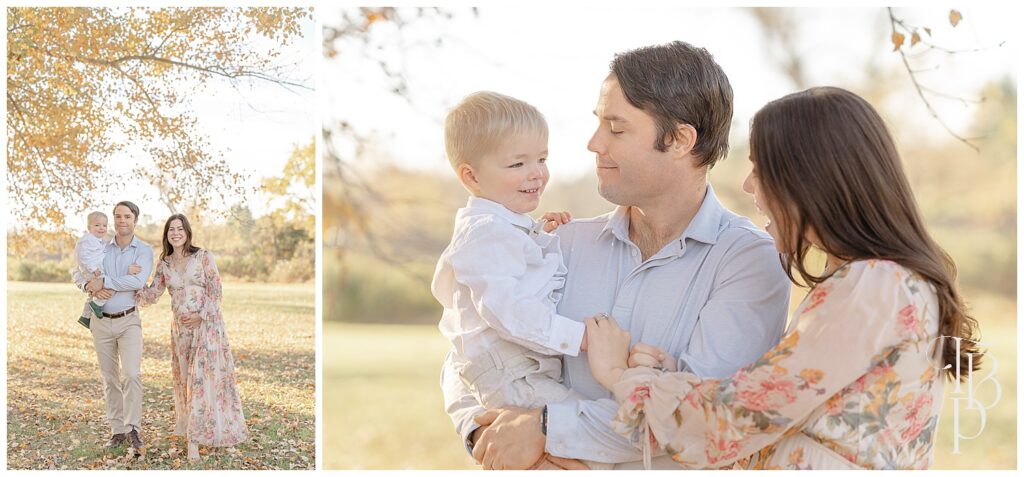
679, 83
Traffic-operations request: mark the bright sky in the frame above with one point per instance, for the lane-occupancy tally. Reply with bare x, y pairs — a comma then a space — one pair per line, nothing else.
255, 127
556, 57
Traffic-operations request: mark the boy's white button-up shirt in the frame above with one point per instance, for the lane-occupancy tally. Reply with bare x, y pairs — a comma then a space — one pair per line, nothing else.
89, 253
500, 279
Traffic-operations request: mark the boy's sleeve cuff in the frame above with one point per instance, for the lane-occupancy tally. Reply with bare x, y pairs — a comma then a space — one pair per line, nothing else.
566, 335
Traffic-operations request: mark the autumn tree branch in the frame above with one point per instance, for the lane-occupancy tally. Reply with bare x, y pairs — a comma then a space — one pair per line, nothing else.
898, 39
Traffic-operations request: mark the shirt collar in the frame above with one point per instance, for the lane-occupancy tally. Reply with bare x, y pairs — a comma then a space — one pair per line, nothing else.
134, 243
479, 205
703, 227
618, 224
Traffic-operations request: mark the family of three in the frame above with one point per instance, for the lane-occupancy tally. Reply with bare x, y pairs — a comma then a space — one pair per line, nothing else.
655, 336
207, 405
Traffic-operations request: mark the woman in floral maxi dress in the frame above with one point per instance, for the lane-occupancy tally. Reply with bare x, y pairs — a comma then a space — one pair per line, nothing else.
207, 406
857, 380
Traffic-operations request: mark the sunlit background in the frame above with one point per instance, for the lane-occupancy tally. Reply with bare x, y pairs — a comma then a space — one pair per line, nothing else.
390, 197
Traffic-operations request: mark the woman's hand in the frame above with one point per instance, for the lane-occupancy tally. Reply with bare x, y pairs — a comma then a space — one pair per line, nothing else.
554, 219
607, 349
134, 269
191, 320
651, 356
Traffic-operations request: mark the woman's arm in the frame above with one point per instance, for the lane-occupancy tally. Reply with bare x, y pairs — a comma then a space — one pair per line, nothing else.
210, 307
150, 294
846, 327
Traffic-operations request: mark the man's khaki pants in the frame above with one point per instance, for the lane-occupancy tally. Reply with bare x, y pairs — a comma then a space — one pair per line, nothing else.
118, 344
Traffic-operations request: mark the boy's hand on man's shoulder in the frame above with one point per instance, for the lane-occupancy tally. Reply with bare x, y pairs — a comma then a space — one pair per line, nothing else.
555, 219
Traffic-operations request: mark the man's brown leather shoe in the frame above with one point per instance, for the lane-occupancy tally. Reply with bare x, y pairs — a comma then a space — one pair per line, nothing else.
116, 440
135, 440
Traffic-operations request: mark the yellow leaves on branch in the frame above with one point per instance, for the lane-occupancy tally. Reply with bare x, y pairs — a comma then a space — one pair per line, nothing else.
955, 17
85, 84
897, 40
296, 185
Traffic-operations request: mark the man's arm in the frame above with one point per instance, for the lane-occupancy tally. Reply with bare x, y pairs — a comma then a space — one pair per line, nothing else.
131, 282
745, 314
580, 430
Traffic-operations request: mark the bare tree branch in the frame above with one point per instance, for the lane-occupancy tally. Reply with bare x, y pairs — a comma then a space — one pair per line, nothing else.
893, 21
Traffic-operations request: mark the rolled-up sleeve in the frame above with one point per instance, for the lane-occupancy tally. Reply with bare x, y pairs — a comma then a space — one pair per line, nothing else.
128, 282
745, 314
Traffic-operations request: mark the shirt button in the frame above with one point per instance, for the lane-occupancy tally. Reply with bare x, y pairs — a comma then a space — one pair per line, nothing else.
634, 253
565, 345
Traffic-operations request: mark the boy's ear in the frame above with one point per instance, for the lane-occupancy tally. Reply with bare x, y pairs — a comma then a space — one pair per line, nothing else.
468, 178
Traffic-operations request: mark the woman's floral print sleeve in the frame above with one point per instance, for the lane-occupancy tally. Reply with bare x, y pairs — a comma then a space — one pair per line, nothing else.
150, 294
213, 294
846, 326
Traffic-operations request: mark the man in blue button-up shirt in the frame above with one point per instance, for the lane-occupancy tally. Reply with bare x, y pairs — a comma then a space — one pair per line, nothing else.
670, 264
118, 334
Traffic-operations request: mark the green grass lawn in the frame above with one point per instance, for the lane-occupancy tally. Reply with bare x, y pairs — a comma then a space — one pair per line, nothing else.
383, 408
55, 407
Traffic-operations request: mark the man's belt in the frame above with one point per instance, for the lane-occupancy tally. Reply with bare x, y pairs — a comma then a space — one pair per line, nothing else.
120, 313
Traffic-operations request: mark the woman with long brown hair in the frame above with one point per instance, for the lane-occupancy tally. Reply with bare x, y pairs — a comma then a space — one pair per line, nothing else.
207, 405
857, 380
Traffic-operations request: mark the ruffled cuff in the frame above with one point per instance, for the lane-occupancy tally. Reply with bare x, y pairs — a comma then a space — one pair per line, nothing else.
633, 392
207, 309
146, 296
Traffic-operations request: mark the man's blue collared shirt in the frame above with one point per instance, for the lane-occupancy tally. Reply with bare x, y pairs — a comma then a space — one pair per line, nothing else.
115, 269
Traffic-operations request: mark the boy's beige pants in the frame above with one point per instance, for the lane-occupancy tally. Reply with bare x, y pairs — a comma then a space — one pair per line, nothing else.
118, 344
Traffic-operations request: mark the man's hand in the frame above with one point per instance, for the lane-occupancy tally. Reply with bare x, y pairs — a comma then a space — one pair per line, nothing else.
554, 219
512, 439
134, 269
651, 356
104, 294
94, 285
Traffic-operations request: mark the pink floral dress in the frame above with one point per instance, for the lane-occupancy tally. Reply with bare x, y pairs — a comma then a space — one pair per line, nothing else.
207, 406
854, 383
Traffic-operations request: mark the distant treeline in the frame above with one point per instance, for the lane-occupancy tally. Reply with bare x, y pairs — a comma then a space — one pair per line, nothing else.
273, 248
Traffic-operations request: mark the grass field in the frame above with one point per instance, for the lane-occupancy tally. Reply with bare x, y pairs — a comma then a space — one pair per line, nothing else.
55, 406
383, 407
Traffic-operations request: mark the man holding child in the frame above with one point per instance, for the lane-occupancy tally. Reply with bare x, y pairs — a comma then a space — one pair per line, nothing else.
693, 282
117, 331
